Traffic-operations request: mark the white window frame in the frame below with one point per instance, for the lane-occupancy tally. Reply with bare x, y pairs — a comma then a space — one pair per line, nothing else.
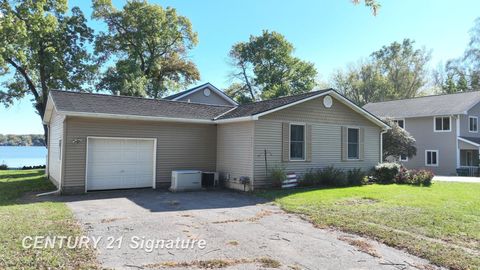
426, 158
469, 127
404, 122
290, 141
435, 123
358, 144
404, 160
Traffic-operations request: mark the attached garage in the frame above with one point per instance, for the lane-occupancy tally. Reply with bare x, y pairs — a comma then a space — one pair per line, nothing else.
118, 163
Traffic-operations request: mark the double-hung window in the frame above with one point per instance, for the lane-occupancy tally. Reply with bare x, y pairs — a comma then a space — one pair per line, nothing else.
353, 139
400, 123
297, 142
473, 124
431, 158
442, 124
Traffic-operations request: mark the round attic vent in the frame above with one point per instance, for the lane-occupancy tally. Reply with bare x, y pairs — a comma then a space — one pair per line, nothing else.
327, 101
206, 92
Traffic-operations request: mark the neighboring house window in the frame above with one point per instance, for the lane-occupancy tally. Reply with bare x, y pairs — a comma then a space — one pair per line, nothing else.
473, 124
353, 143
403, 158
400, 123
297, 142
431, 158
442, 124
60, 150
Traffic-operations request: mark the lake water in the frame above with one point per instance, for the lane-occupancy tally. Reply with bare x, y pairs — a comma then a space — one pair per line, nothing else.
19, 156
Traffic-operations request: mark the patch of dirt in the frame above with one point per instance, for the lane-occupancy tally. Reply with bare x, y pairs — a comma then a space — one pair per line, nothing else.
217, 263
233, 243
257, 217
31, 197
357, 201
426, 238
109, 220
361, 245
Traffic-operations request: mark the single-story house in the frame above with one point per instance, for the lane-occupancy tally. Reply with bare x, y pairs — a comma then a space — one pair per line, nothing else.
99, 141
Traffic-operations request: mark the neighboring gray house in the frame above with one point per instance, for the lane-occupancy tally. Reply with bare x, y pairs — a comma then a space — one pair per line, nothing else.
109, 142
445, 127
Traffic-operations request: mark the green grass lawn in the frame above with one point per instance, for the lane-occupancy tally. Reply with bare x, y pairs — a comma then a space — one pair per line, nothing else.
20, 218
440, 223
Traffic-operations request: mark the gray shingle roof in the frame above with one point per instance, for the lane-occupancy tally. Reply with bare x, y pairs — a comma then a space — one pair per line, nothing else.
425, 106
122, 105
263, 106
472, 139
78, 102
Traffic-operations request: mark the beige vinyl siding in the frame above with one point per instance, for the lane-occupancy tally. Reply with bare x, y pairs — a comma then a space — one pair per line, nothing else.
55, 129
199, 97
326, 142
179, 145
235, 152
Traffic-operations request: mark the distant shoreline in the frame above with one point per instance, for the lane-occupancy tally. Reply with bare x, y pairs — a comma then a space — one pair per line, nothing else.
22, 140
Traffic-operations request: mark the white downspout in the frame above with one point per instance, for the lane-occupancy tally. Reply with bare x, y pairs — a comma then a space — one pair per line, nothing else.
49, 193
456, 142
381, 144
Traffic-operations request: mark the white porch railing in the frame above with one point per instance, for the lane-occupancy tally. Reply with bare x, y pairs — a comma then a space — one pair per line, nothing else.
468, 171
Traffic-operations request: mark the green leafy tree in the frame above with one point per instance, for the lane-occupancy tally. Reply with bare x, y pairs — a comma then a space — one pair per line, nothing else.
374, 5
265, 68
395, 71
404, 67
42, 48
463, 74
362, 83
150, 45
397, 141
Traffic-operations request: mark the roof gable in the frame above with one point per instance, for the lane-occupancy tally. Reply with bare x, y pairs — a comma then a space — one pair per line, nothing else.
191, 91
451, 104
258, 109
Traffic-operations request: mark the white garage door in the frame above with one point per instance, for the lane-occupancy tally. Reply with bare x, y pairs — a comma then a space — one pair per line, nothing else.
114, 163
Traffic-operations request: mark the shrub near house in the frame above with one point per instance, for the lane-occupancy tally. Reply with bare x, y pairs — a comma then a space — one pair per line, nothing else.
387, 173
383, 173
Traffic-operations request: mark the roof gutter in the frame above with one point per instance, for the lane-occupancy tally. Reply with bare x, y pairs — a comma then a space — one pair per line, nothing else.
137, 117
237, 119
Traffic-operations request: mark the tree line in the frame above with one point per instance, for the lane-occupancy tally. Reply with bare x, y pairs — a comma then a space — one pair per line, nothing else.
145, 52
399, 71
22, 140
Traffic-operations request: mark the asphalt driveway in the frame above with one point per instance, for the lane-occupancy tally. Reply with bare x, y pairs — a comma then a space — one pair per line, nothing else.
240, 232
